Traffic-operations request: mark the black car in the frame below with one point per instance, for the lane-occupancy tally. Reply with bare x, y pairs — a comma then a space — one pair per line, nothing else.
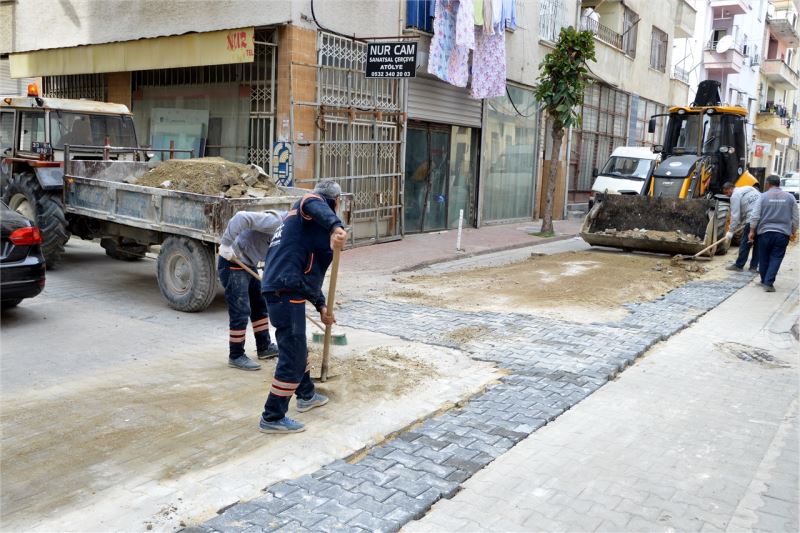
21, 261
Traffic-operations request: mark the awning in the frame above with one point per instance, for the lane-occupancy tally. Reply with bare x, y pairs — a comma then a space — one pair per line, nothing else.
190, 50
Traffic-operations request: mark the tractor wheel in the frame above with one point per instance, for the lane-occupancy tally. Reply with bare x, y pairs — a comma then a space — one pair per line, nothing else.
187, 274
24, 195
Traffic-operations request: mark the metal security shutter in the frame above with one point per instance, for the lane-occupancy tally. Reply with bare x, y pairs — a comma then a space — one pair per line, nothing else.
435, 101
9, 86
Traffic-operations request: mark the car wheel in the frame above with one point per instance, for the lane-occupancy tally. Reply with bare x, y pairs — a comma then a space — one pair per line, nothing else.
8, 304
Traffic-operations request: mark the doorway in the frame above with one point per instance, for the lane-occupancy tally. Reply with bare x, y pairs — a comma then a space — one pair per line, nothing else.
439, 176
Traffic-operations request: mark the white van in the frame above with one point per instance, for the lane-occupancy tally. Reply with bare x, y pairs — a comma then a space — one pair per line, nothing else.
627, 171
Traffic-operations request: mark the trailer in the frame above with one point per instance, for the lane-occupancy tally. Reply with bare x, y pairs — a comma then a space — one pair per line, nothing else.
102, 201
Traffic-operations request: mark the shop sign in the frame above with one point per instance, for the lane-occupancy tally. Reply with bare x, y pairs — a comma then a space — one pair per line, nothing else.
762, 149
391, 60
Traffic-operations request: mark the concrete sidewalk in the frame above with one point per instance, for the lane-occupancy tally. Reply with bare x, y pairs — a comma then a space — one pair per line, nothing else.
701, 434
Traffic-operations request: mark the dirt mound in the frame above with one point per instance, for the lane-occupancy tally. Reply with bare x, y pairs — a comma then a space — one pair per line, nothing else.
583, 286
213, 176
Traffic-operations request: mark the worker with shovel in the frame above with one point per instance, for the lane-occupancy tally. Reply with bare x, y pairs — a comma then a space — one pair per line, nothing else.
243, 245
299, 256
742, 201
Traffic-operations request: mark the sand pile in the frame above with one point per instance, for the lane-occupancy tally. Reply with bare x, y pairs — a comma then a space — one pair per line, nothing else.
213, 176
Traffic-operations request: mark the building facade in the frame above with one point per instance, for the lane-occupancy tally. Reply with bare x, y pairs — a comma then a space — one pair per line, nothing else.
633, 80
281, 84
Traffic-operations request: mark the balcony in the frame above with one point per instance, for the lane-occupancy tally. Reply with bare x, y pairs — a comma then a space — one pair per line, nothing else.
728, 8
607, 35
684, 20
780, 75
680, 75
782, 27
770, 123
728, 62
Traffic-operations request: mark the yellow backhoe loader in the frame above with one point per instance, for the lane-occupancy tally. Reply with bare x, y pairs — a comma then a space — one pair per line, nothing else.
683, 210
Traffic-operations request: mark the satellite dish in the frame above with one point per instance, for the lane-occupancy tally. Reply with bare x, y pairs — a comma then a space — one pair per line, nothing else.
724, 44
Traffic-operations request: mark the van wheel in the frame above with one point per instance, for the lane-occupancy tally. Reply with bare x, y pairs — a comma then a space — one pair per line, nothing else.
187, 274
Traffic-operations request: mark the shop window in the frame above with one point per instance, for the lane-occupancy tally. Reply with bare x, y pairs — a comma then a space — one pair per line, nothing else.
509, 173
32, 126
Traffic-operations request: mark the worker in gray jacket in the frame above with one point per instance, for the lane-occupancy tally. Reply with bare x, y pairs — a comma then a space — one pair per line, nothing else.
773, 221
245, 242
742, 201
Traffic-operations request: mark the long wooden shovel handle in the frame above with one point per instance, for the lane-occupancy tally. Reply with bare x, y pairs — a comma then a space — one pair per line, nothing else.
710, 246
330, 302
320, 326
246, 268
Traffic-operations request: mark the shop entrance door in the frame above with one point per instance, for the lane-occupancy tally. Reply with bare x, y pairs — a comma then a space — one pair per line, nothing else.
426, 192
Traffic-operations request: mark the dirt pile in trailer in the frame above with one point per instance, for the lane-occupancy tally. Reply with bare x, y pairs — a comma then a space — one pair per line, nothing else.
212, 176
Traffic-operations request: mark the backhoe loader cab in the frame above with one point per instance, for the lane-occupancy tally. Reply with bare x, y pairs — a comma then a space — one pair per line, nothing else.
703, 148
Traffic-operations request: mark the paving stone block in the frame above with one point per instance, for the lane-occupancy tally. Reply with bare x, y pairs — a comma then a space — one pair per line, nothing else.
378, 493
338, 511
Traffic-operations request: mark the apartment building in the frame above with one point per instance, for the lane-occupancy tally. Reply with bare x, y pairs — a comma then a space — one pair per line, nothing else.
633, 80
266, 81
749, 47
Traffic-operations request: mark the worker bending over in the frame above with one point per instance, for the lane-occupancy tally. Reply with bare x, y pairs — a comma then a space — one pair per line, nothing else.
246, 239
742, 201
298, 258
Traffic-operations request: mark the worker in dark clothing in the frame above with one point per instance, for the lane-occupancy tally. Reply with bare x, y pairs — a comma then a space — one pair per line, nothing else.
774, 222
299, 256
247, 240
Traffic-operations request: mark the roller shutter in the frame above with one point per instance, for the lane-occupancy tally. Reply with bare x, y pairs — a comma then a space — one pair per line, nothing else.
435, 101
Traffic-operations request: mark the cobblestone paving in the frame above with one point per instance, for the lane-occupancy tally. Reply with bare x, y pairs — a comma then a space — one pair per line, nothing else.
553, 365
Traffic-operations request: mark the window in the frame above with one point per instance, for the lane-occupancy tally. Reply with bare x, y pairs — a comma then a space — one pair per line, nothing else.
629, 30
551, 17
91, 130
644, 110
31, 130
658, 50
6, 131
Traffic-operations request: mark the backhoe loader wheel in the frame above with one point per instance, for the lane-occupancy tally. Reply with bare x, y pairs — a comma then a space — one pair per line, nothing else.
187, 274
721, 215
24, 195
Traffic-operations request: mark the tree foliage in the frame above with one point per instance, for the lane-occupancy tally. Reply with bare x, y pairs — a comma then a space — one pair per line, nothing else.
564, 74
562, 80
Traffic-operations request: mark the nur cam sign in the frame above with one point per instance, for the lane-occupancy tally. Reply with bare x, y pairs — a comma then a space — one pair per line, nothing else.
391, 60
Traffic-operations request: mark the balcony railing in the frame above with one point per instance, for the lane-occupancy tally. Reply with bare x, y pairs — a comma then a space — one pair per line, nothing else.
607, 35
680, 75
711, 46
419, 14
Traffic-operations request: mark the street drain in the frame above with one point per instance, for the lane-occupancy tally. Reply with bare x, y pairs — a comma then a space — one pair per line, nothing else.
751, 354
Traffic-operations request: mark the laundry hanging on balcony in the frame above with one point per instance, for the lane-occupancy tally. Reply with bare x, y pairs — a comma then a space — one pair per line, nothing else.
488, 65
452, 38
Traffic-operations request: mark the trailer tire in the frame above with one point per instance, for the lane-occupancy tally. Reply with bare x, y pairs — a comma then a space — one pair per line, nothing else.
123, 251
187, 274
45, 209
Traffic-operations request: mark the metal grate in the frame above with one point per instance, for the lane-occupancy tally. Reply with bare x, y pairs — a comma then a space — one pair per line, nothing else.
359, 139
76, 86
551, 19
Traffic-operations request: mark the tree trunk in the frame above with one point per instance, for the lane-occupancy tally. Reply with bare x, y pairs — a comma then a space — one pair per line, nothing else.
557, 136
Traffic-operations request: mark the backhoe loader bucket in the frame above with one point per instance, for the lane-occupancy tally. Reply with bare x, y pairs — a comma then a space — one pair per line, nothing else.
662, 225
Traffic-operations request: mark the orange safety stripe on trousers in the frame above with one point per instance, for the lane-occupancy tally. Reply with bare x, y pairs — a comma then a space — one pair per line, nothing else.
259, 329
261, 321
280, 392
284, 384
297, 301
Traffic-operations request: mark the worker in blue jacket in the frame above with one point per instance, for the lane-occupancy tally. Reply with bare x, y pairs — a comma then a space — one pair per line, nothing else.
298, 257
245, 242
